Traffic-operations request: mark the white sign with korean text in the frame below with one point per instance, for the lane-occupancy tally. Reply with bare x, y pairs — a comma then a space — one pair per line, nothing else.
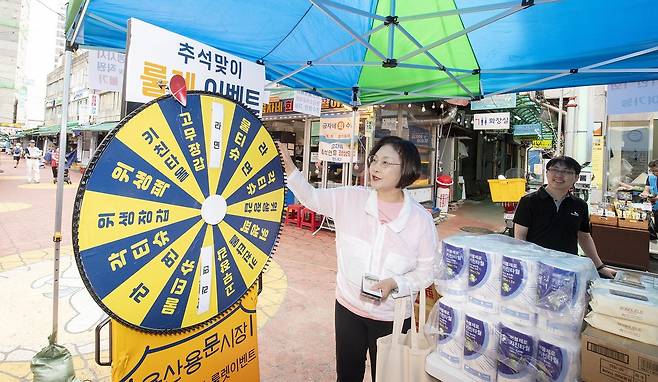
491, 121
106, 70
307, 103
155, 54
92, 105
335, 137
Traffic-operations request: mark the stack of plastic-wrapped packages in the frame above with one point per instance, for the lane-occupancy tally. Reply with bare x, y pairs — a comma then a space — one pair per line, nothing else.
510, 311
626, 306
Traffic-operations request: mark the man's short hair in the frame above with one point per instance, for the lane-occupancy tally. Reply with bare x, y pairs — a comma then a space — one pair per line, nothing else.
409, 157
565, 161
653, 163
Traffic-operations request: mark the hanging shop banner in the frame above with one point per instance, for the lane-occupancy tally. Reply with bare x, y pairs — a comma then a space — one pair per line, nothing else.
633, 97
527, 130
307, 103
491, 121
226, 349
336, 134
155, 54
179, 213
106, 70
499, 101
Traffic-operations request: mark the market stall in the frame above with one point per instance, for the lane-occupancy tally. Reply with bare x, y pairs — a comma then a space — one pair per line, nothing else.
373, 52
620, 230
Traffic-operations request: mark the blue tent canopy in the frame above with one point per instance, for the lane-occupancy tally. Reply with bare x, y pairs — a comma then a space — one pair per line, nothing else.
439, 49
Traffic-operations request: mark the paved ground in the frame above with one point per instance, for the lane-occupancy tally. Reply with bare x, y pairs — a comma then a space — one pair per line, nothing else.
295, 310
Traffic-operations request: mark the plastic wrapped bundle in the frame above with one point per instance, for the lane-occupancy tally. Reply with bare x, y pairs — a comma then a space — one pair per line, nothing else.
480, 345
517, 349
562, 293
451, 271
558, 360
518, 287
450, 333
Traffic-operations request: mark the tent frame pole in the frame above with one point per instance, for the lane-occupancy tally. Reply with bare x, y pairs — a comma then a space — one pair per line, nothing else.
462, 32
57, 235
476, 9
391, 33
353, 10
347, 29
575, 71
438, 64
324, 57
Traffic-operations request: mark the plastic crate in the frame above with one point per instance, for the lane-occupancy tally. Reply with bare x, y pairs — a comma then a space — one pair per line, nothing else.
506, 190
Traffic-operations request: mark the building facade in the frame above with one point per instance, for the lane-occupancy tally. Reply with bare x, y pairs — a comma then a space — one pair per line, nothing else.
14, 19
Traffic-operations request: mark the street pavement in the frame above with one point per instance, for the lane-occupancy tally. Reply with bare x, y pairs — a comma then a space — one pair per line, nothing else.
295, 309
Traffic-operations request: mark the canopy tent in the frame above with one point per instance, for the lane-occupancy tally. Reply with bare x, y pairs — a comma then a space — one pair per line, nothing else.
403, 51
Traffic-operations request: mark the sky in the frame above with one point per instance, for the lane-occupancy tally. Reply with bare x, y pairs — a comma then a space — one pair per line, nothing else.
40, 54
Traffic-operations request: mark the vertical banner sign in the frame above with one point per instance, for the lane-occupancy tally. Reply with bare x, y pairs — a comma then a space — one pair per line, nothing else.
491, 121
597, 162
155, 54
307, 103
335, 138
106, 70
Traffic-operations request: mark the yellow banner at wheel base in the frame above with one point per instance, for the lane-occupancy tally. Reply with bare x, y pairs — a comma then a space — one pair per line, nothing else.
224, 350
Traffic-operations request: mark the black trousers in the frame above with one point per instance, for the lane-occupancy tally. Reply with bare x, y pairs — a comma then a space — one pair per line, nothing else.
354, 336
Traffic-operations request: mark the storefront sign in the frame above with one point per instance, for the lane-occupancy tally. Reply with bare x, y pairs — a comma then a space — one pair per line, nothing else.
501, 101
491, 121
278, 107
155, 54
633, 97
542, 143
419, 136
336, 134
307, 103
328, 104
524, 130
106, 70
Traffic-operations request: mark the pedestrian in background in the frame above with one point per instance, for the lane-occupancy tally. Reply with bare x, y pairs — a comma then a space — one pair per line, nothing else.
385, 246
52, 157
33, 155
17, 153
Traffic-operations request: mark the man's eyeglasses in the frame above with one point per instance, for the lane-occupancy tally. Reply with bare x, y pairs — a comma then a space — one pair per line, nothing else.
384, 163
562, 172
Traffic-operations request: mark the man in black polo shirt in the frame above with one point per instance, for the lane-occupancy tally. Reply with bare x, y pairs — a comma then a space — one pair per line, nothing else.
554, 218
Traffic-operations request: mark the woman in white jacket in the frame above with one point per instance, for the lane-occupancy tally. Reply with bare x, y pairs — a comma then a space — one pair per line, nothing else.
385, 245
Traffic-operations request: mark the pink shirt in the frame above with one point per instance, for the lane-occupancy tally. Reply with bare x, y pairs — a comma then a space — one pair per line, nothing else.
403, 248
388, 211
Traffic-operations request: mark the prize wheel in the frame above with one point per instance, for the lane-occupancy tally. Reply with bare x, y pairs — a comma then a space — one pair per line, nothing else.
179, 212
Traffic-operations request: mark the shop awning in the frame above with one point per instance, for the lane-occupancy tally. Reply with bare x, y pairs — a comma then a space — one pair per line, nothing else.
98, 127
52, 129
417, 51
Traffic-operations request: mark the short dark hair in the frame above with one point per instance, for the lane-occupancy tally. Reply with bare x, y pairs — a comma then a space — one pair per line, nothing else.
565, 161
653, 163
409, 156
